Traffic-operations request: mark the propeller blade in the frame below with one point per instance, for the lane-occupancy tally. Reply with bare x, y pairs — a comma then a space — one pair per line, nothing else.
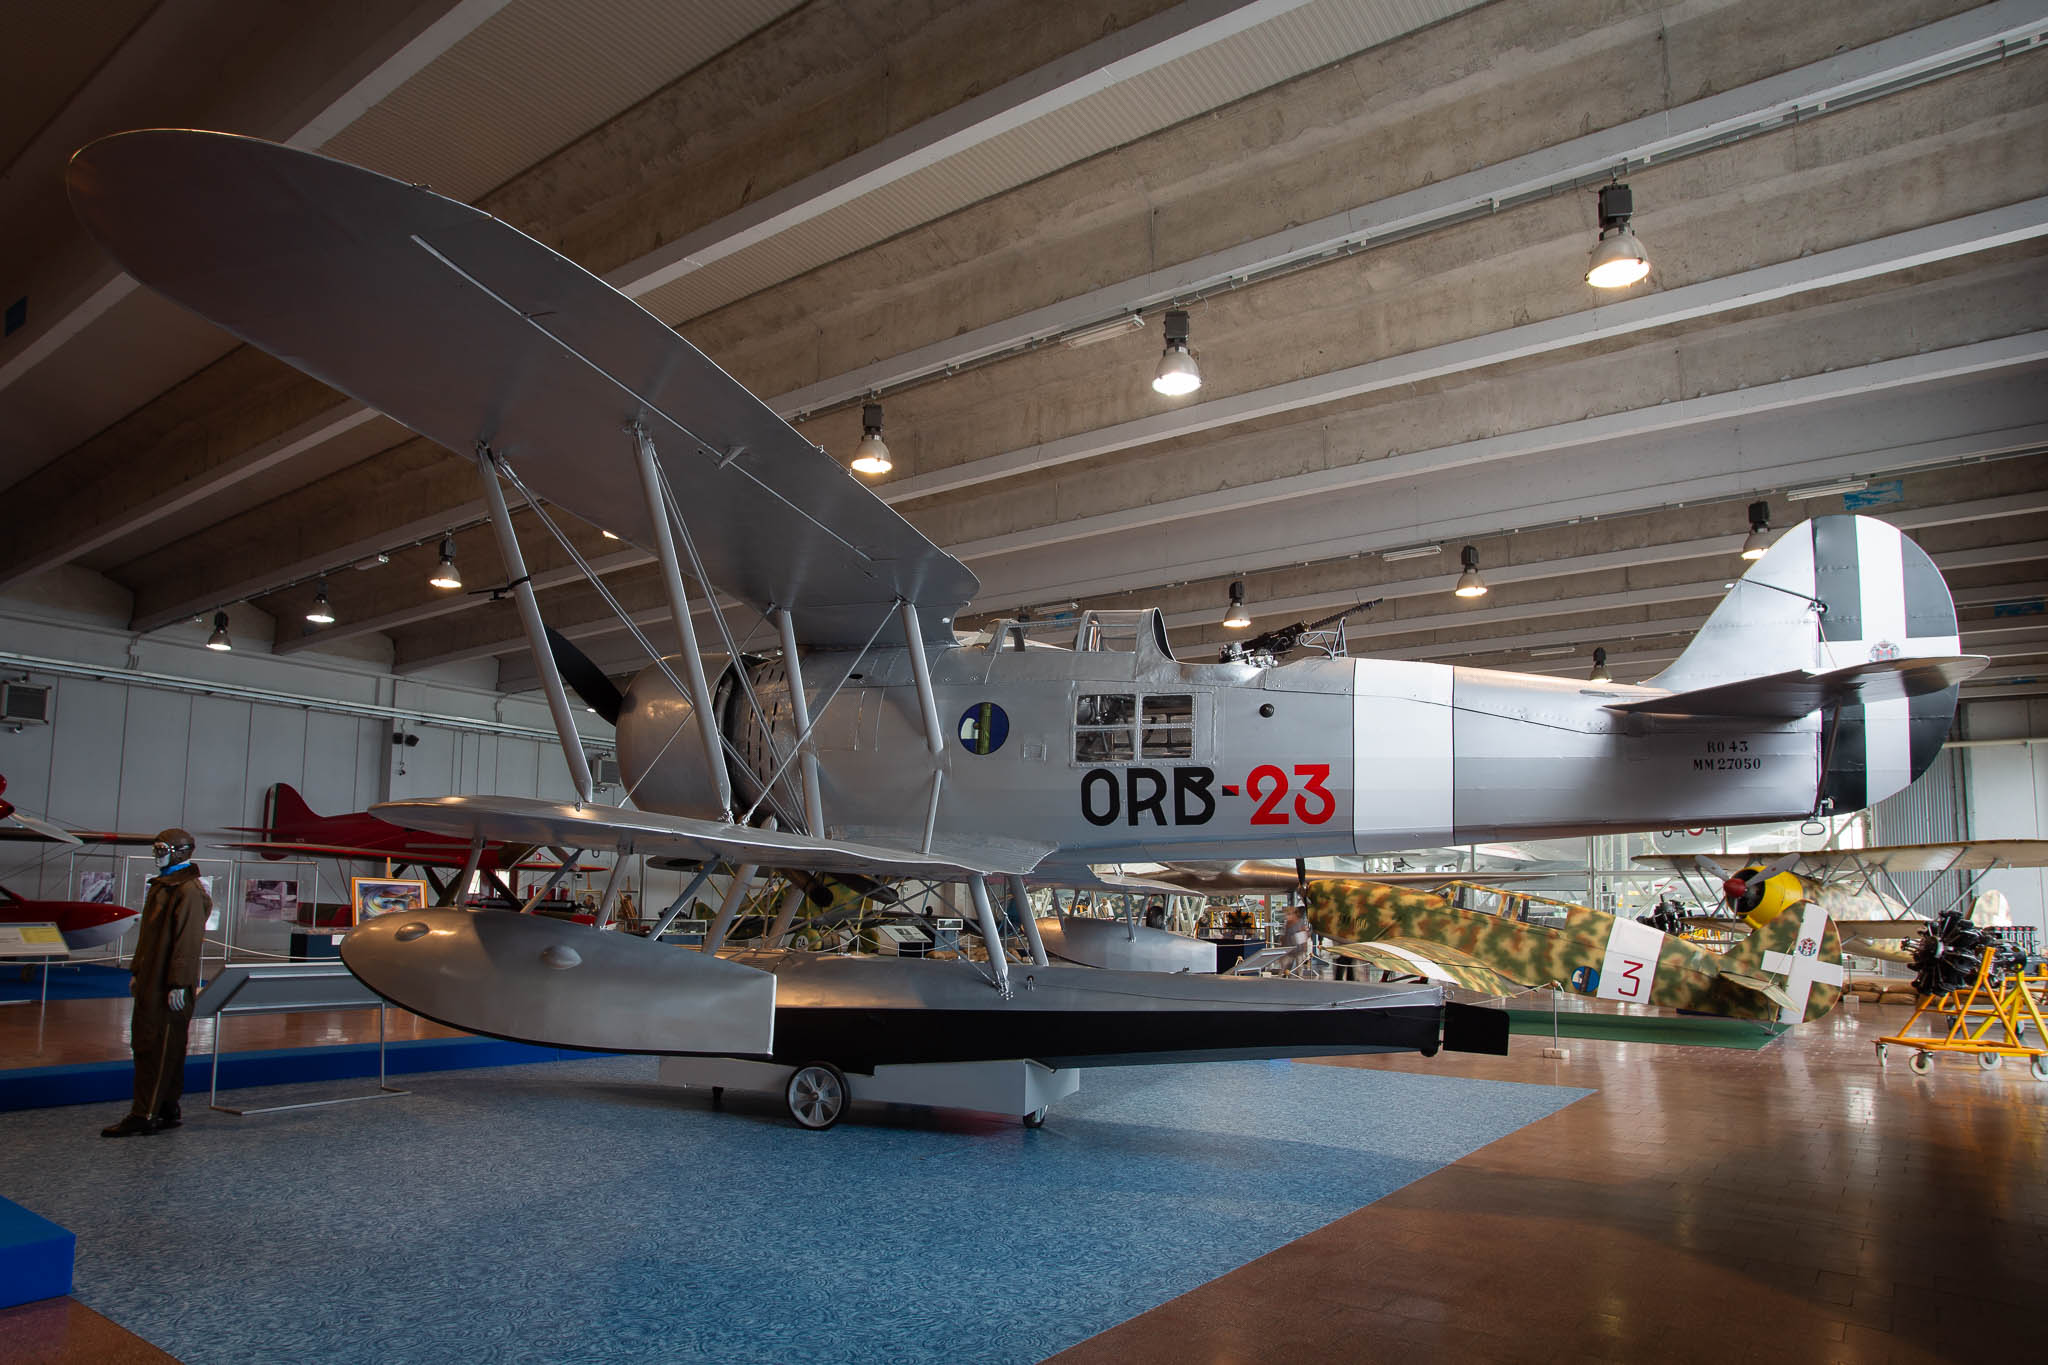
1784, 864
38, 825
585, 678
1710, 865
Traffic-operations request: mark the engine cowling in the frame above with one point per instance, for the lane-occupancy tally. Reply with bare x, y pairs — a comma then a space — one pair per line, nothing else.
661, 749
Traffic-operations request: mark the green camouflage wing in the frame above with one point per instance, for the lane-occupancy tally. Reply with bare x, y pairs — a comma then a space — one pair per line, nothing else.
1433, 961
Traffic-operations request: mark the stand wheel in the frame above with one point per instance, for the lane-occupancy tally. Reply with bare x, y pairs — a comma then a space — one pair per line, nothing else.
2039, 1067
1988, 1061
1882, 1060
1036, 1118
817, 1096
1922, 1063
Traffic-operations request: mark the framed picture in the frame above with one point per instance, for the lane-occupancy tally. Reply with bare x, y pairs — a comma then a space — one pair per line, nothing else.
374, 896
270, 899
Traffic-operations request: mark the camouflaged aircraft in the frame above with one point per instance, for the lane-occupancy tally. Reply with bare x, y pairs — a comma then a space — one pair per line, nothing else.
1500, 942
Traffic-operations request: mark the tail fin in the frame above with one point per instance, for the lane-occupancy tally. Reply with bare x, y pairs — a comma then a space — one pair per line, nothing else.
285, 812
1799, 953
1835, 593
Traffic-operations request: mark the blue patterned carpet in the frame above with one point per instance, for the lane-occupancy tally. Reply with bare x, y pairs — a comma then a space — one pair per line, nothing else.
576, 1211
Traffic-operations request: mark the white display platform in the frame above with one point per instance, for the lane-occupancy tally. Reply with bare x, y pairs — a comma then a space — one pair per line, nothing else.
1019, 1087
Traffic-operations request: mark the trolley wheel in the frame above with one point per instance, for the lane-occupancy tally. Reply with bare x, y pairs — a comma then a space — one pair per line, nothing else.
1988, 1061
817, 1095
2039, 1066
1922, 1063
1882, 1059
1036, 1118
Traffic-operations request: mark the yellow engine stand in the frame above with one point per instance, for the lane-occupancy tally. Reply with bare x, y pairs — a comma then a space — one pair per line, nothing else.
2009, 1008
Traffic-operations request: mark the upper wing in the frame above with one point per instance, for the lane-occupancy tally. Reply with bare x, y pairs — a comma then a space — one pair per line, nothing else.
1788, 696
469, 331
567, 825
1433, 961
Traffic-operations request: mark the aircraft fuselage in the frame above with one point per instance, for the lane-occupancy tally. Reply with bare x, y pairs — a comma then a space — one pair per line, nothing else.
1131, 755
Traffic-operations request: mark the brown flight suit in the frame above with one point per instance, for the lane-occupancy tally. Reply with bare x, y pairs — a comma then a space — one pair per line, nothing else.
166, 957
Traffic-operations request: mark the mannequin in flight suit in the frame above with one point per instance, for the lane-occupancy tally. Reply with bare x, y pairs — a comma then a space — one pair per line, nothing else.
166, 978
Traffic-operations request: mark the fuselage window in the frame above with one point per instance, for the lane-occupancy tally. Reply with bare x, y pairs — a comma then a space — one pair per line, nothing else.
1169, 727
1102, 727
1116, 728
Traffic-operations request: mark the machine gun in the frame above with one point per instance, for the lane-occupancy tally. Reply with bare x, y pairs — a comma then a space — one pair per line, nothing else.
1275, 643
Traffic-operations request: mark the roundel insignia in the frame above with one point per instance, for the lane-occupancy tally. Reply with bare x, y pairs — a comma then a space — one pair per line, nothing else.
1882, 650
983, 728
1807, 947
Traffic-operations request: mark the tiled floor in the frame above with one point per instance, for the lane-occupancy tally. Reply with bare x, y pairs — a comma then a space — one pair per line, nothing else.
1793, 1204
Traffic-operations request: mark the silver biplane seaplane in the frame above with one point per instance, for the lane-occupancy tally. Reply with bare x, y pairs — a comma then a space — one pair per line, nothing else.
874, 740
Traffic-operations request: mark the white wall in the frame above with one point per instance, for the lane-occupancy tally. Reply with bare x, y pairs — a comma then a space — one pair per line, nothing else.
2008, 789
137, 757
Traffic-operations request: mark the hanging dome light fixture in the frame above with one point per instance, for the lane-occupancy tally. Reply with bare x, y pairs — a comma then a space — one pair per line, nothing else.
1757, 542
1178, 374
446, 575
1470, 584
1600, 673
321, 614
1235, 617
871, 456
1618, 258
219, 639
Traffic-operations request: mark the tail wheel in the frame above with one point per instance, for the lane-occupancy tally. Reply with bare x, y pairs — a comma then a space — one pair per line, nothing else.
1882, 1059
1923, 1062
817, 1096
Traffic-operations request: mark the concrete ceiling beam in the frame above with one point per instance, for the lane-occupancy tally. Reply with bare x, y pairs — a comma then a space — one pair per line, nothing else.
1839, 82
1887, 65
1977, 232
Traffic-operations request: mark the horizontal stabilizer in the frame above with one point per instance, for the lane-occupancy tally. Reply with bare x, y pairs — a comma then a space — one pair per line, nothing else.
1788, 696
1764, 986
565, 824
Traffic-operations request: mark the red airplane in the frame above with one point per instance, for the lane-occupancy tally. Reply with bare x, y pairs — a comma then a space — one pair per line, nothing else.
84, 924
291, 828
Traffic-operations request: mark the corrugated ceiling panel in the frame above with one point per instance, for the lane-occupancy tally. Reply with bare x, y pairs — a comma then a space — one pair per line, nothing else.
535, 77
1280, 50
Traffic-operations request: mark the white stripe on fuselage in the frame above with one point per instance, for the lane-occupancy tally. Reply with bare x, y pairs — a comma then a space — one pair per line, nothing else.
1630, 967
1402, 754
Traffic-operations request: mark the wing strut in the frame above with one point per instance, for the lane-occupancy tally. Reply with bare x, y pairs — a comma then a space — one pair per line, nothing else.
1021, 898
800, 710
742, 881
686, 630
986, 914
536, 631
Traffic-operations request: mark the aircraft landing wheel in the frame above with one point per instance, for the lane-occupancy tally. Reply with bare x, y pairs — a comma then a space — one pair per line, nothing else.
1988, 1061
1923, 1062
1036, 1118
817, 1096
2039, 1066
